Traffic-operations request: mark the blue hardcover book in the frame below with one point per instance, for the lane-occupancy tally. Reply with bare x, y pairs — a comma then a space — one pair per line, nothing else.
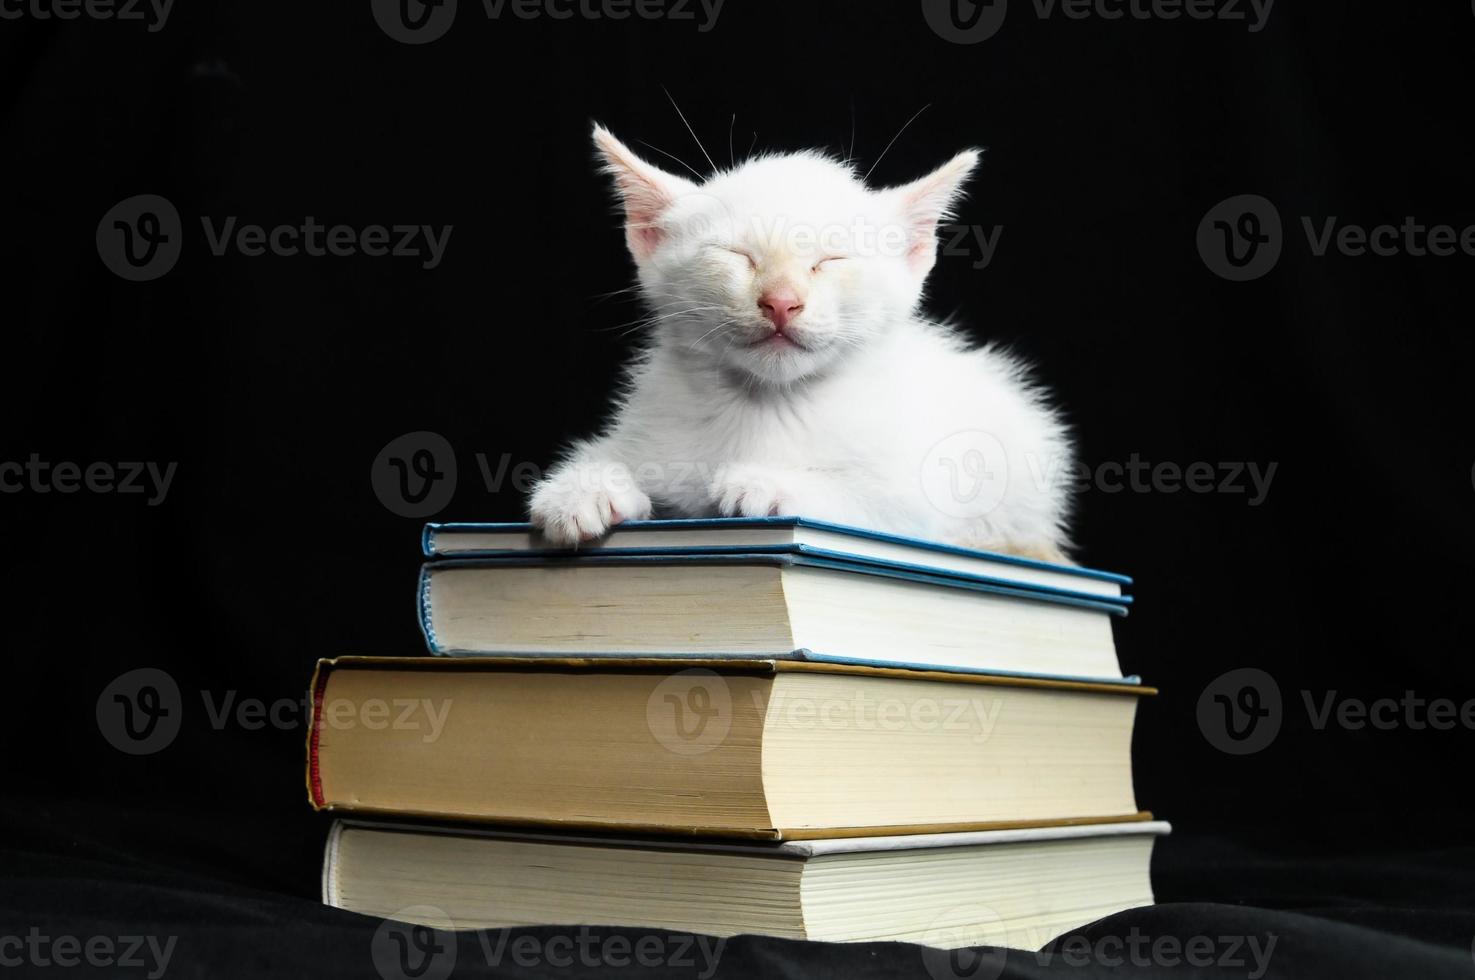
797, 536
794, 604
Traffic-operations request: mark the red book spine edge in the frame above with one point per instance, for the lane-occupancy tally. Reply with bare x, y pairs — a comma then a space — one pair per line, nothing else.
314, 763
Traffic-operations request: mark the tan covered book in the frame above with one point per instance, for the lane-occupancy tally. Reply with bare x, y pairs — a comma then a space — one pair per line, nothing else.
766, 749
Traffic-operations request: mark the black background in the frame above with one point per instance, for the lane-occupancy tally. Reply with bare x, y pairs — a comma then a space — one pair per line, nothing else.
274, 382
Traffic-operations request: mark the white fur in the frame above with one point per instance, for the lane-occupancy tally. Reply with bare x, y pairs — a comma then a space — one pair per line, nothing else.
862, 419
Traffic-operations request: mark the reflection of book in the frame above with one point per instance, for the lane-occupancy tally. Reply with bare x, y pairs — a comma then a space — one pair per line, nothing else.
1017, 888
757, 748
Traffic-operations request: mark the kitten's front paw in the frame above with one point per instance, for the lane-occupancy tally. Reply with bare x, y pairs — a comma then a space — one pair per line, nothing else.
753, 491
584, 501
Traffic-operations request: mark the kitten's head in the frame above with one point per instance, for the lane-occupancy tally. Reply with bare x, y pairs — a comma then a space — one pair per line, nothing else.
783, 265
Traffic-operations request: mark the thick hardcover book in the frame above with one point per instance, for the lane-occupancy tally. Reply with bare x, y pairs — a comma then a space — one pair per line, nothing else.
765, 606
1017, 888
756, 749
781, 536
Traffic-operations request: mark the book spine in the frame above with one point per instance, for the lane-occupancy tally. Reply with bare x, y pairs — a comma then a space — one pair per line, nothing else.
330, 865
422, 611
314, 736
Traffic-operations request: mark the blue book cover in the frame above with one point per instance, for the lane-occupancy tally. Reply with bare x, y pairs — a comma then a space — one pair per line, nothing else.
796, 537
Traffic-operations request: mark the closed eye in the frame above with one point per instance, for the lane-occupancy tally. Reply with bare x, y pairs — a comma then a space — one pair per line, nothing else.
827, 260
752, 262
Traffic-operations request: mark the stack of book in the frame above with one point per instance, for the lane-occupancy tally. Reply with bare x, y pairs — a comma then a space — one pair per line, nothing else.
772, 726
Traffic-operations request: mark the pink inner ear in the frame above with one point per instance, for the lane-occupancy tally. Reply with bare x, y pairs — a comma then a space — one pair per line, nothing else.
647, 191
923, 253
926, 206
925, 209
927, 202
924, 248
645, 202
643, 238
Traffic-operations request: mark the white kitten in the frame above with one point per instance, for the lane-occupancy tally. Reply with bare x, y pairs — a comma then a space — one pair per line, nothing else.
789, 372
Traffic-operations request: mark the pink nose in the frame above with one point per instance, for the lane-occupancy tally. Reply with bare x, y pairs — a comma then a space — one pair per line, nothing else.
780, 306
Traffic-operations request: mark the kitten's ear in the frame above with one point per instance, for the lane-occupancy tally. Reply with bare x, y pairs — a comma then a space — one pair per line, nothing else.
926, 203
647, 192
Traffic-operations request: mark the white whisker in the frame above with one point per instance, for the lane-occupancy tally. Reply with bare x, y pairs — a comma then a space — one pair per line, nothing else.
673, 157
682, 116
903, 129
